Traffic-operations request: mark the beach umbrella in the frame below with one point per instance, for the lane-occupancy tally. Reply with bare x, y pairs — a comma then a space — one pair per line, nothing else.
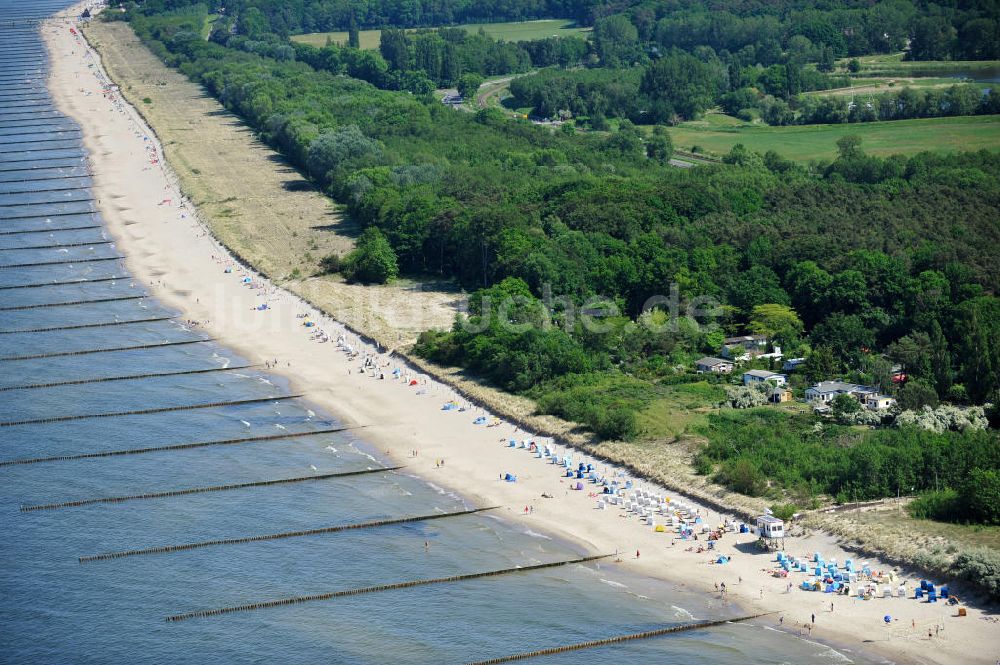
887, 618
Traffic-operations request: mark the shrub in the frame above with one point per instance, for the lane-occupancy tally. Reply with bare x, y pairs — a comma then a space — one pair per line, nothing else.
747, 397
980, 496
742, 476
374, 261
330, 263
942, 505
784, 511
945, 418
703, 465
981, 566
916, 394
616, 423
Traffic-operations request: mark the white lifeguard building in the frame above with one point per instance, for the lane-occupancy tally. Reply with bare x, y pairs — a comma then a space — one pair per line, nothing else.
769, 526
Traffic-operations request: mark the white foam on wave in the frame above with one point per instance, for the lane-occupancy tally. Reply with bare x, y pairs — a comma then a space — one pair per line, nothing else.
681, 612
279, 426
442, 491
265, 381
826, 652
535, 534
834, 655
617, 585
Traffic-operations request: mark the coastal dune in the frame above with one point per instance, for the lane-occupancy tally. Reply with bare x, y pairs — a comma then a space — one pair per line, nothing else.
154, 224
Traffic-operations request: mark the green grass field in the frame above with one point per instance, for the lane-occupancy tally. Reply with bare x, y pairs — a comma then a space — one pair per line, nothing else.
879, 84
512, 32
894, 63
716, 134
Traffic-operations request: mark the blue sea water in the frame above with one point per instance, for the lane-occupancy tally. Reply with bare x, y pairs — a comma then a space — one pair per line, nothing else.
54, 609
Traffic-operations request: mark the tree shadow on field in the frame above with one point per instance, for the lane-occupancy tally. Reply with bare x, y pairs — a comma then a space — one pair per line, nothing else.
341, 224
298, 185
280, 160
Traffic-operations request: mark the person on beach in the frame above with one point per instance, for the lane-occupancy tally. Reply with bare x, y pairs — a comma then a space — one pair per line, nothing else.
814, 618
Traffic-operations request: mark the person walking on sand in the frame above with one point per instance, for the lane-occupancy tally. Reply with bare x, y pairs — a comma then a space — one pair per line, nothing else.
831, 607
814, 618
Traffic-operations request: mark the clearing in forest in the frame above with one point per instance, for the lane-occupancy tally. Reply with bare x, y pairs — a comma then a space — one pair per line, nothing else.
716, 134
516, 31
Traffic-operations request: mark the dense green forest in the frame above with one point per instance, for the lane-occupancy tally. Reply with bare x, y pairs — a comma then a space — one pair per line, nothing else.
650, 62
575, 246
754, 30
421, 61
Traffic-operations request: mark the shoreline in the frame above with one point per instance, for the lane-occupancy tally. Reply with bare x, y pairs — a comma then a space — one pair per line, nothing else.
183, 265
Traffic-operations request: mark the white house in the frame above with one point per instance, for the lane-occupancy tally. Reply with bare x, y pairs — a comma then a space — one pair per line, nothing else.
877, 402
769, 526
754, 376
792, 364
825, 391
717, 365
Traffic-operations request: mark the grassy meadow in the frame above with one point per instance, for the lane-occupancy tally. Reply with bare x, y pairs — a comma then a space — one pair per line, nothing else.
717, 133
518, 31
893, 64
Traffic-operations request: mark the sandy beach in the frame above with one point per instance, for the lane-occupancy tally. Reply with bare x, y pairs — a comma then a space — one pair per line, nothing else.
174, 255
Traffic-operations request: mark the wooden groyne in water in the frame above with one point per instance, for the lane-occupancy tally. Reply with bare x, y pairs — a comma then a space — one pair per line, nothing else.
267, 604
175, 446
617, 640
31, 203
126, 377
71, 303
79, 326
60, 262
202, 490
70, 282
87, 352
67, 244
41, 231
55, 140
143, 412
32, 151
277, 536
44, 177
76, 162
